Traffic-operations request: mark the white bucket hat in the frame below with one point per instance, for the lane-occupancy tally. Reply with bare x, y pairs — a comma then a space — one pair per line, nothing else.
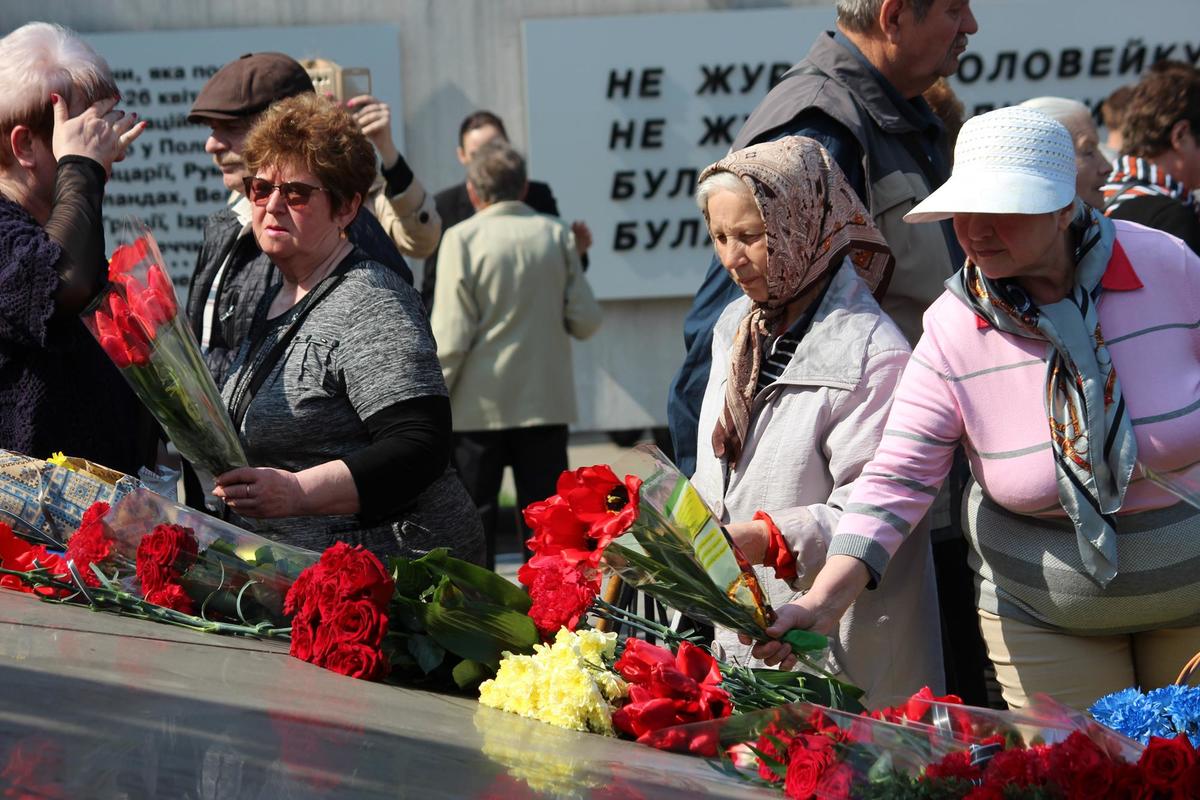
1009, 161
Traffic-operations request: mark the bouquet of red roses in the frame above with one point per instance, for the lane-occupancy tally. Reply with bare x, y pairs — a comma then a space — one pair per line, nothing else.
434, 619
339, 612
137, 322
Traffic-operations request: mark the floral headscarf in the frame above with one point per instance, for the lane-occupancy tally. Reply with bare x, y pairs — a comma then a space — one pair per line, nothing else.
813, 220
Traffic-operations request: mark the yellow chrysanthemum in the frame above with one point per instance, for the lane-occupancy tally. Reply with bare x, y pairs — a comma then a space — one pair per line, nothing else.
565, 684
59, 460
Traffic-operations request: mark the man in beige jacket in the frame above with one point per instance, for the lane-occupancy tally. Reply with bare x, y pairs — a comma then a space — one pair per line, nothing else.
510, 293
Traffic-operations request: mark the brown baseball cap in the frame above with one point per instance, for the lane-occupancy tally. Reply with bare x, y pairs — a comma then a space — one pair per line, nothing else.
248, 85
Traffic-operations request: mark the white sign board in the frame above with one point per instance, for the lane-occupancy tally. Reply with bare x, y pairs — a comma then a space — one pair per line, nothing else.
167, 179
624, 111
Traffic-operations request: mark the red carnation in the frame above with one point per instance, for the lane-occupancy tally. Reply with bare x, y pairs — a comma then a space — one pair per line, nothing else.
1010, 767
1128, 784
90, 544
561, 594
18, 555
171, 596
1092, 781
955, 765
1164, 762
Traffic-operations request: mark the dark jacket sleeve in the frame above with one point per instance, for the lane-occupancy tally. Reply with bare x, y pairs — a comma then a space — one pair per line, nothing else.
366, 232
409, 450
76, 224
1162, 213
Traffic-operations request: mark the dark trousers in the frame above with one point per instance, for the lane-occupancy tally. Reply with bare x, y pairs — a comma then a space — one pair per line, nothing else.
537, 455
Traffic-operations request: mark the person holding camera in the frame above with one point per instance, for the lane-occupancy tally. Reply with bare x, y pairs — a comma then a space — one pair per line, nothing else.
397, 199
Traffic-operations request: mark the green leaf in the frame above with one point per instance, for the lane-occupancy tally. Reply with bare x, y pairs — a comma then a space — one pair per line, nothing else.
411, 577
485, 582
469, 674
220, 546
426, 651
264, 555
408, 614
478, 631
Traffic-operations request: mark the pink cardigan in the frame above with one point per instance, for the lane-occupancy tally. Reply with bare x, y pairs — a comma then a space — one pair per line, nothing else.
968, 382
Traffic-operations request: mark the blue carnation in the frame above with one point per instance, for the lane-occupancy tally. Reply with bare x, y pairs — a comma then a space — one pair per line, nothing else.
1128, 712
1181, 705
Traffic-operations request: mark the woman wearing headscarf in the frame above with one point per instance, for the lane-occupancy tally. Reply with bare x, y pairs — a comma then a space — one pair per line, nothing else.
804, 367
1064, 356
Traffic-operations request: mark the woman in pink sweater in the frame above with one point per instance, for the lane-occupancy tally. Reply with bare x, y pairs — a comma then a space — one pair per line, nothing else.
1064, 355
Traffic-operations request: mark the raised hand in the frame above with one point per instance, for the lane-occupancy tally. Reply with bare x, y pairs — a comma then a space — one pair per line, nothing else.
374, 118
101, 132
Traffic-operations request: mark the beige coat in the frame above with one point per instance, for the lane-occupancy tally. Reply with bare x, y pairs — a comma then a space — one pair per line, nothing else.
811, 434
410, 218
510, 294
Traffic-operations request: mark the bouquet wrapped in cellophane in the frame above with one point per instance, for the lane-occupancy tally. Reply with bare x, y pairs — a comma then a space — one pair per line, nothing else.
137, 322
105, 540
924, 747
676, 552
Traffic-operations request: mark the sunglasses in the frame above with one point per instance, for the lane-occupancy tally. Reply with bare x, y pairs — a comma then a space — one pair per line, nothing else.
296, 195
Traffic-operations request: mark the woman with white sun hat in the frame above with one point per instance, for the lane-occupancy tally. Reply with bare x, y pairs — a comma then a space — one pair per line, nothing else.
1063, 355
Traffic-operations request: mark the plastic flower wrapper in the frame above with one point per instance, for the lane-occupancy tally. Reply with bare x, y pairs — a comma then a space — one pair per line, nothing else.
149, 557
1043, 721
228, 573
44, 501
676, 552
137, 322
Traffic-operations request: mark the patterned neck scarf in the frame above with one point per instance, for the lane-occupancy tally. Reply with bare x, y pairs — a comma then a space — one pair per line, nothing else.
1136, 177
1090, 431
813, 220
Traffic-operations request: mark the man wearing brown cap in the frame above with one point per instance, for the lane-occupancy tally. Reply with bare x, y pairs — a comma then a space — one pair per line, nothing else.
232, 275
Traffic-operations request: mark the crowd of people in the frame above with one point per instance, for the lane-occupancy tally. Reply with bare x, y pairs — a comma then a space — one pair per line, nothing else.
926, 368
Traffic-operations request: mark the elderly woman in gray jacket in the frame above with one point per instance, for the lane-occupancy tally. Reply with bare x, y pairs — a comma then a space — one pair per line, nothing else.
804, 367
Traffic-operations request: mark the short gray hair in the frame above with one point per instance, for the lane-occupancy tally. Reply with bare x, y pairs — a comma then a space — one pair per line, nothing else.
723, 181
497, 172
1061, 109
860, 16
39, 58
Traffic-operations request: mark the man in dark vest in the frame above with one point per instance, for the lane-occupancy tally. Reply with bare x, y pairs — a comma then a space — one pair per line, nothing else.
232, 275
858, 93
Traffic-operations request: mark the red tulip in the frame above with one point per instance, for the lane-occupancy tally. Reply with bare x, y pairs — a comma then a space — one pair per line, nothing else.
121, 334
